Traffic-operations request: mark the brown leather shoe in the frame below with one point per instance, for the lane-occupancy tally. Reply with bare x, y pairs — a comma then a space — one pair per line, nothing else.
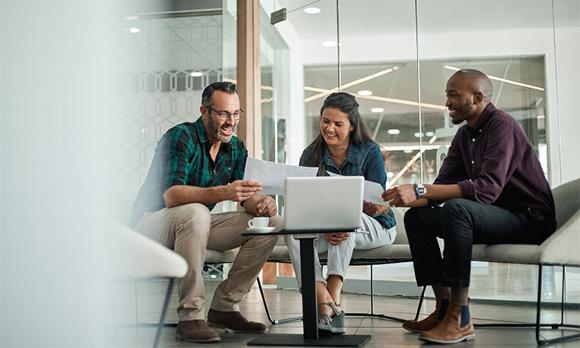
196, 331
418, 326
449, 330
234, 321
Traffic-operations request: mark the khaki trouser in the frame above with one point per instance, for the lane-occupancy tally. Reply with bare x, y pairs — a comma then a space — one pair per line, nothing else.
190, 229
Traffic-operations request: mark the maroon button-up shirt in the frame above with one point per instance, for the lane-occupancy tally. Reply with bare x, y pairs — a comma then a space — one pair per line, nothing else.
494, 163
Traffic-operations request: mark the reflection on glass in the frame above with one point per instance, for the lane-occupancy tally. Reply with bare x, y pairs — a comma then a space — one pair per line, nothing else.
274, 89
171, 61
390, 111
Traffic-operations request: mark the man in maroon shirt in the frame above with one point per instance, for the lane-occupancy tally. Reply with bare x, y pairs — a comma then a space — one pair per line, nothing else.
491, 189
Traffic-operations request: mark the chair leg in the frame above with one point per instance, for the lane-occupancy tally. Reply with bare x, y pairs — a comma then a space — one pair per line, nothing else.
136, 302
163, 312
540, 340
539, 304
420, 303
372, 313
563, 296
372, 292
274, 321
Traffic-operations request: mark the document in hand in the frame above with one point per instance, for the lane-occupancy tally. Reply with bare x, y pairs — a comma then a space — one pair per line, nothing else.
272, 174
372, 191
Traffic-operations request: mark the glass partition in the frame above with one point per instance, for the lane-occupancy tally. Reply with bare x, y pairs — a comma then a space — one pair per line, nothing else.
499, 47
172, 58
495, 38
275, 90
396, 57
314, 32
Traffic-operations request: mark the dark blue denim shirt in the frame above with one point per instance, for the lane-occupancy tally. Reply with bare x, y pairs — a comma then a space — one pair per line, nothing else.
364, 160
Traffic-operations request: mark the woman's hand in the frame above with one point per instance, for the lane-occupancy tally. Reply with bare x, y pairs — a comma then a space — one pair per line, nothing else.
372, 209
336, 238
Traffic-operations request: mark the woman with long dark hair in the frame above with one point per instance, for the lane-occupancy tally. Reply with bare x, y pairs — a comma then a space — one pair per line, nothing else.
343, 147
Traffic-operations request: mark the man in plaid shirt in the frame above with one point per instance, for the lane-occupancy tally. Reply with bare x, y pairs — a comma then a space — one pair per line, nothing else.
195, 166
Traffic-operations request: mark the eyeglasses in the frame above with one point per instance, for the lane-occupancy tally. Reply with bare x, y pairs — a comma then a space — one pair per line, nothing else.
224, 115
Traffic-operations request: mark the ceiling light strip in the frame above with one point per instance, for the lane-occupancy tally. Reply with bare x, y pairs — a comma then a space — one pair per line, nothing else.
349, 84
315, 89
405, 168
378, 98
413, 160
410, 147
491, 77
403, 101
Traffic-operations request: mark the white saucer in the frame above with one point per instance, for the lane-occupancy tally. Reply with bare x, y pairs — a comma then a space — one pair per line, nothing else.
260, 229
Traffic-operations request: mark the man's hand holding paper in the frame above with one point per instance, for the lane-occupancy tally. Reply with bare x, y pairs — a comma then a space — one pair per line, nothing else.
240, 190
272, 174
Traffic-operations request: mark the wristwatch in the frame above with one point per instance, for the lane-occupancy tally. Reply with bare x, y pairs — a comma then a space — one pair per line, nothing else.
420, 191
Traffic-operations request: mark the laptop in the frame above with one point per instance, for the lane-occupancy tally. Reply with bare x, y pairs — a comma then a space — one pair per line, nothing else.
323, 203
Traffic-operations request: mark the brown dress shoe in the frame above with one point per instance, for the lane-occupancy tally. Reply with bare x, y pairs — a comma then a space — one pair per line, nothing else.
234, 321
418, 326
196, 331
450, 330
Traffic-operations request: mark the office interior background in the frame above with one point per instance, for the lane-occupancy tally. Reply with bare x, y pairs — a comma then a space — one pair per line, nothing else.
88, 89
394, 56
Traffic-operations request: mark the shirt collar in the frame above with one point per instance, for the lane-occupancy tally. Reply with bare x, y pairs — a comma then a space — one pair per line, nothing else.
350, 155
202, 135
486, 114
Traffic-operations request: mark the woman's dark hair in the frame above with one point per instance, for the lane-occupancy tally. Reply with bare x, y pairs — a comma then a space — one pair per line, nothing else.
346, 103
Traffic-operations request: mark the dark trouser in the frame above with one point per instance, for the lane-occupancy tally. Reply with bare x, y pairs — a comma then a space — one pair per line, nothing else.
462, 223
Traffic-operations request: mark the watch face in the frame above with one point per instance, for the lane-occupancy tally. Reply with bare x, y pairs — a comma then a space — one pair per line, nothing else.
420, 191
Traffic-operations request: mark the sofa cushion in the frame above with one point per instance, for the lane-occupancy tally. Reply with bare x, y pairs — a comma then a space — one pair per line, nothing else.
385, 254
507, 253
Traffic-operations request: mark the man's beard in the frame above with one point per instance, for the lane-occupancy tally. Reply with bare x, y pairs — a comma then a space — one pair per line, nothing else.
456, 121
224, 139
216, 130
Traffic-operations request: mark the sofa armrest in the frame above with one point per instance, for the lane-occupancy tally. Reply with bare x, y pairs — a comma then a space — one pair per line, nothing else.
138, 257
561, 248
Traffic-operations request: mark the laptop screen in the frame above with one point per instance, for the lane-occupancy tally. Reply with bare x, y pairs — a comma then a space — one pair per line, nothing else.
323, 203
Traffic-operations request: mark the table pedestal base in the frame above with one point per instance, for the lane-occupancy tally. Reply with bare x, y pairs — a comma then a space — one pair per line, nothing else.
298, 340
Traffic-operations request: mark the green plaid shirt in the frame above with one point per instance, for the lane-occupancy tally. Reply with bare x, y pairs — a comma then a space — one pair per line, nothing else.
182, 158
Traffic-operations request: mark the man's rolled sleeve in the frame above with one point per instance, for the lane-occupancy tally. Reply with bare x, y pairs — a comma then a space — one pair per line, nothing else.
467, 189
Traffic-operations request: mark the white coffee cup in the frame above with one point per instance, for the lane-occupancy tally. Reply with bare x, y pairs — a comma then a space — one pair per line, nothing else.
258, 222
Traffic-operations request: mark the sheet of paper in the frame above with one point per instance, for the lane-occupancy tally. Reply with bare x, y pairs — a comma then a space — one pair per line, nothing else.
272, 174
373, 192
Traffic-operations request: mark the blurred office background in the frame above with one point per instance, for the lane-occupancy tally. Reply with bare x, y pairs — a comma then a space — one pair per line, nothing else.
395, 56
87, 90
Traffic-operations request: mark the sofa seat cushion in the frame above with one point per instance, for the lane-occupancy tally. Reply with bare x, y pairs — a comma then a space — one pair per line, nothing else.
385, 254
508, 253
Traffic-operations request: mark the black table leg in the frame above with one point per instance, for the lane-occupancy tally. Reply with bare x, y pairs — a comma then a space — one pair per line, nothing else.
310, 313
309, 305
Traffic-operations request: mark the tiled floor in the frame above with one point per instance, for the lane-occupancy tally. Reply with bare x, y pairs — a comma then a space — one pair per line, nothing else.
287, 303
